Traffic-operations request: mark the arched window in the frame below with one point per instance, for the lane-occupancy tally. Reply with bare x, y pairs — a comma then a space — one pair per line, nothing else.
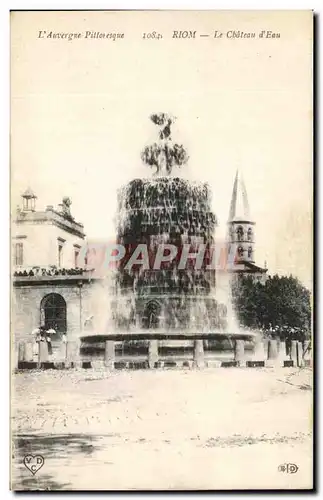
53, 313
240, 251
152, 314
240, 233
249, 234
249, 252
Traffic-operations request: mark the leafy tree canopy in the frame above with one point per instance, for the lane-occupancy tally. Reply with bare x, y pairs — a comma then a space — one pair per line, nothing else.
282, 303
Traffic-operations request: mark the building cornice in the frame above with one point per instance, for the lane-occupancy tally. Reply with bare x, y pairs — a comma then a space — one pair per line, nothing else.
51, 217
76, 279
241, 221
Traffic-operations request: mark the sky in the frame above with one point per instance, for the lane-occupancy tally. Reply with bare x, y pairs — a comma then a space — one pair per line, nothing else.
80, 115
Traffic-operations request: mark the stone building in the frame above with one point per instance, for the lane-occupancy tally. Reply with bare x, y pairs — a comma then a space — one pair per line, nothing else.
50, 281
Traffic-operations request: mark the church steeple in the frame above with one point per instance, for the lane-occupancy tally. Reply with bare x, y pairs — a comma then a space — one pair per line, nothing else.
239, 207
240, 224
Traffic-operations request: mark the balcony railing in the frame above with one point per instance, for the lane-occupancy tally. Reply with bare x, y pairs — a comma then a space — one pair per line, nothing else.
34, 274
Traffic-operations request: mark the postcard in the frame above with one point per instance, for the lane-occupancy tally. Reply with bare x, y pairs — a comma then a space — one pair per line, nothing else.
162, 255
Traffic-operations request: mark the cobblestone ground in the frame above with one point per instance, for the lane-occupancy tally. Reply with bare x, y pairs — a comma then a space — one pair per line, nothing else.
211, 429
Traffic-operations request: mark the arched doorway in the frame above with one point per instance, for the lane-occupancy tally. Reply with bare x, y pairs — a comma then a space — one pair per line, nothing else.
152, 314
53, 313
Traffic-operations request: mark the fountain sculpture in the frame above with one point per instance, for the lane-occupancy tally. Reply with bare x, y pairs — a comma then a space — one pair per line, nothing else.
154, 215
161, 211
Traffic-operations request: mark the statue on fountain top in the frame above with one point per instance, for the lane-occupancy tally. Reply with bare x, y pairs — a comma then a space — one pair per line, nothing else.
164, 155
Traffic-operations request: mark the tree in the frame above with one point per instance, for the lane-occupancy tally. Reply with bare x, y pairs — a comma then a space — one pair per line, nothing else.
281, 303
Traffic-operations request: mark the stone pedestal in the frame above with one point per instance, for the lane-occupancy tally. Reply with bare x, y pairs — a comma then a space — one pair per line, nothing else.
300, 361
282, 353
21, 351
259, 351
71, 351
198, 354
294, 352
272, 350
109, 354
307, 355
42, 352
62, 352
29, 351
239, 354
152, 353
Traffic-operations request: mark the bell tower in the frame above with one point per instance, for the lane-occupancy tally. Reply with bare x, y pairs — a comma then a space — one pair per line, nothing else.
241, 239
29, 201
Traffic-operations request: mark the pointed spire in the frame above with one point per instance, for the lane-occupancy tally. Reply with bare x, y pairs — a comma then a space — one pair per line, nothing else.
239, 207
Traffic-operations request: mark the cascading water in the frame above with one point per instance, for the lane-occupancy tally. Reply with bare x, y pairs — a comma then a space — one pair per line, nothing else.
167, 211
172, 211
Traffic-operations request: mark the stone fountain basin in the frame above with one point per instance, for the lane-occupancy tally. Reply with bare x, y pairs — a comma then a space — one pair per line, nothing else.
155, 335
175, 341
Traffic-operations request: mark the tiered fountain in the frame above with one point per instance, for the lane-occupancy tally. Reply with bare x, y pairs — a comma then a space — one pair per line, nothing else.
166, 303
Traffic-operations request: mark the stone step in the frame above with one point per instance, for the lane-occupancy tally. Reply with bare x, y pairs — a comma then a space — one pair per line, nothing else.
144, 365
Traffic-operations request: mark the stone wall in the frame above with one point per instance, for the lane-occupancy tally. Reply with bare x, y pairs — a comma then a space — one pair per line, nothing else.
26, 305
40, 235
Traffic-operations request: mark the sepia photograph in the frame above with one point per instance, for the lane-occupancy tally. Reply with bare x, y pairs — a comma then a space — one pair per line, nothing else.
161, 185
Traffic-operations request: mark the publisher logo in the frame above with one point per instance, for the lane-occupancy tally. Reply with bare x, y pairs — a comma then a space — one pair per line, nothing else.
33, 463
288, 468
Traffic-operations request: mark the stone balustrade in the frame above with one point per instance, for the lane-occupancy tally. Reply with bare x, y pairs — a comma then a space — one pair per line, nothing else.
48, 272
270, 353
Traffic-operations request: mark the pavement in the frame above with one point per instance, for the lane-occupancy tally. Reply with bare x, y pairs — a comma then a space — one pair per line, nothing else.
228, 428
